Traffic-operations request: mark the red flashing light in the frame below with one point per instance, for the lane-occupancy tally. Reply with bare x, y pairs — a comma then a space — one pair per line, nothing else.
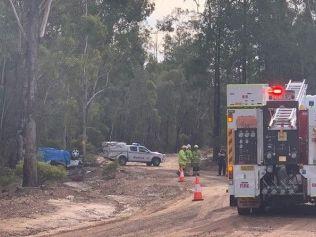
276, 90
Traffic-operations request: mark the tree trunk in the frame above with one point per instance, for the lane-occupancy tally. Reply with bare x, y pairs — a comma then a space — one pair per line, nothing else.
177, 139
217, 87
84, 105
84, 131
32, 42
65, 133
166, 144
3, 97
85, 94
244, 44
19, 95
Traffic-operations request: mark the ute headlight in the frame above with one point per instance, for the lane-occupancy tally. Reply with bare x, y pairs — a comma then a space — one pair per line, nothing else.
269, 155
293, 155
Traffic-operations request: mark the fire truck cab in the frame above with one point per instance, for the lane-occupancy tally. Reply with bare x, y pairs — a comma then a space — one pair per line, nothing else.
271, 145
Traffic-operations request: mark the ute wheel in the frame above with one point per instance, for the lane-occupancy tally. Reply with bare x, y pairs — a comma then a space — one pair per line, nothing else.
155, 161
55, 163
122, 160
148, 163
243, 211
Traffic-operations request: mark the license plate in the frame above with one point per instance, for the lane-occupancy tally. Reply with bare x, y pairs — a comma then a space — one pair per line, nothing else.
282, 158
248, 202
247, 199
247, 167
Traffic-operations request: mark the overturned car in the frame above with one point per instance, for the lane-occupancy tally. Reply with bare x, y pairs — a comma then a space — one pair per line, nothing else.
55, 156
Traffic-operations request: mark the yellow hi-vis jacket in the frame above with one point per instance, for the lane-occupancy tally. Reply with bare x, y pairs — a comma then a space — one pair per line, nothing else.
189, 155
182, 158
196, 157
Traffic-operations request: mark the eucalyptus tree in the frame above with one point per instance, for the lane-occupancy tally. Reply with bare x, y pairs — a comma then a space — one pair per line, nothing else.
32, 23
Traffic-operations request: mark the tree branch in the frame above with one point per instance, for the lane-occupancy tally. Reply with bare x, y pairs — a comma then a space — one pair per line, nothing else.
3, 71
17, 19
96, 83
93, 97
98, 78
107, 78
197, 3
45, 17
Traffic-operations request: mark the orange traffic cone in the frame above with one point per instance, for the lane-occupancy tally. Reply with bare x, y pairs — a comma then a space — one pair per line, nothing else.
197, 190
181, 176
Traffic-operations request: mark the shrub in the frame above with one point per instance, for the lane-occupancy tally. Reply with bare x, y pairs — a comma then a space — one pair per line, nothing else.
90, 159
7, 176
45, 172
109, 171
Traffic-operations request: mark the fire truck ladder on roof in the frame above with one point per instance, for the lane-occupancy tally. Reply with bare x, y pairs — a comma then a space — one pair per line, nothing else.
299, 88
286, 117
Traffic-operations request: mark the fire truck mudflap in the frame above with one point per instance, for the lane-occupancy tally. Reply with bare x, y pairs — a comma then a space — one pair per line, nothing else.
246, 186
309, 172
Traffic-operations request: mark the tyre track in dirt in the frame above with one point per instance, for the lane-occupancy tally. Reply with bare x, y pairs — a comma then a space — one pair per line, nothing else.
211, 217
173, 219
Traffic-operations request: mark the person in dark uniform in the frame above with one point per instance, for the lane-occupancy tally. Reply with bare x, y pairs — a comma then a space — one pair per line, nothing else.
221, 162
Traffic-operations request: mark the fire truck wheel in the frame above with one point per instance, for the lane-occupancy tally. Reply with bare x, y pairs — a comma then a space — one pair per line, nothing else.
261, 209
243, 211
232, 201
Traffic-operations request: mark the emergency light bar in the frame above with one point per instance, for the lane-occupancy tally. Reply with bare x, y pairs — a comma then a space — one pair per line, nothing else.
276, 90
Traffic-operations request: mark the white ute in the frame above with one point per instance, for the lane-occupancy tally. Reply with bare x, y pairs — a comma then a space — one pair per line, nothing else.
131, 153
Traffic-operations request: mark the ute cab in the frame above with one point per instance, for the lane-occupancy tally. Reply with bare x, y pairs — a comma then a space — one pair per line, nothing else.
124, 153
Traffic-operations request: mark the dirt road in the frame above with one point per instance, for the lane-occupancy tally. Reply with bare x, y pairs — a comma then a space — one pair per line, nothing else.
211, 217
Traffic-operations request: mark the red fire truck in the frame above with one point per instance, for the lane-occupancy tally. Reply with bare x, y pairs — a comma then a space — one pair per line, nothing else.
271, 145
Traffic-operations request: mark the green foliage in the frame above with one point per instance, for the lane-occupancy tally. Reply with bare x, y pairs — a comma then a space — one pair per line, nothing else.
7, 177
91, 159
45, 172
93, 26
160, 104
109, 171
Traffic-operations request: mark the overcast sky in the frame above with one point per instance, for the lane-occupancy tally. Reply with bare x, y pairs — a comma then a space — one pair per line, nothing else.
164, 8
